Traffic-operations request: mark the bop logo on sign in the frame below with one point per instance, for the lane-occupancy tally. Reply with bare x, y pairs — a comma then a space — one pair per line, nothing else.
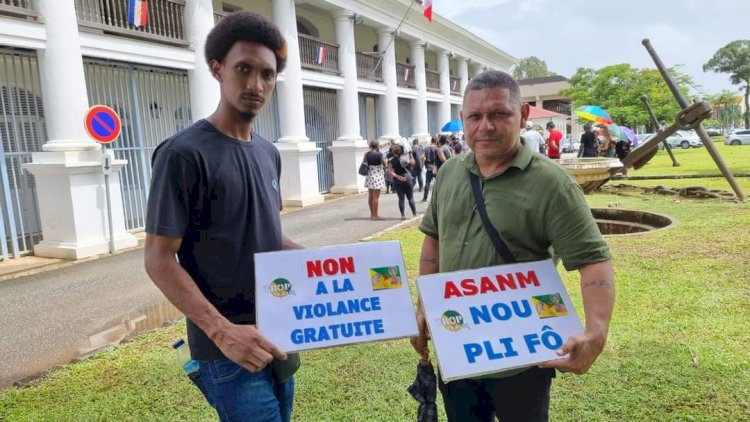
280, 287
452, 320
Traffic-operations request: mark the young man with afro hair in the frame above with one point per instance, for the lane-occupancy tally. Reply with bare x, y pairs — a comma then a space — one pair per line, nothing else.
214, 202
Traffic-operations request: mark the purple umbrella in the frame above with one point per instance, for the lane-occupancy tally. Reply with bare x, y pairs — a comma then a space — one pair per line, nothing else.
622, 133
628, 132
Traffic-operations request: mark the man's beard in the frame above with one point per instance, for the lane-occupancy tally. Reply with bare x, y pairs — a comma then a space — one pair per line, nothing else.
247, 117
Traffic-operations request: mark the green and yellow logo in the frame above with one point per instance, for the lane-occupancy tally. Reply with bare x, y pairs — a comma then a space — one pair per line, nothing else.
280, 287
452, 320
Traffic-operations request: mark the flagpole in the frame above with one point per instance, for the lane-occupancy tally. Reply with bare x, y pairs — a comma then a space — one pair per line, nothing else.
401, 23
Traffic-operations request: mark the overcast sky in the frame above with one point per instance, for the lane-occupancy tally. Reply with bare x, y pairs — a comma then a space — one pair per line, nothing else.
568, 34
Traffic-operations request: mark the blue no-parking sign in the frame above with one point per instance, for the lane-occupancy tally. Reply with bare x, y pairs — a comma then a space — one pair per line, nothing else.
103, 124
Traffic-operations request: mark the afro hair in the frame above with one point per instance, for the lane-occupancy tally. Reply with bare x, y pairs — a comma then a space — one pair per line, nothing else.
245, 26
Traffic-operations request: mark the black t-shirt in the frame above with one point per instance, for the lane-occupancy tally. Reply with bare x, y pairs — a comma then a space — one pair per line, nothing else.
588, 139
221, 196
374, 158
398, 168
431, 155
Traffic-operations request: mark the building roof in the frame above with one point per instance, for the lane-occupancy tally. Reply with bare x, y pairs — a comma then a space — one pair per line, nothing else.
544, 80
539, 113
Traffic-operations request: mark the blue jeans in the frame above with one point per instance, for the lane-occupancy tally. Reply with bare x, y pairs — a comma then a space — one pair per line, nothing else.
240, 395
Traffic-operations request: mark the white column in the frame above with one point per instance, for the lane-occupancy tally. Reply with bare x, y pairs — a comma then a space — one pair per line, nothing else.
204, 89
299, 175
419, 111
388, 108
463, 73
349, 148
69, 179
444, 110
62, 79
476, 68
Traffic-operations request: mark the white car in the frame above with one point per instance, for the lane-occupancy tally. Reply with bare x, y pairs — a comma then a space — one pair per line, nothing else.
685, 139
680, 139
738, 137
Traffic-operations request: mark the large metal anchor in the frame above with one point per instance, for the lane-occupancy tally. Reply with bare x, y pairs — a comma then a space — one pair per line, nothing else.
690, 117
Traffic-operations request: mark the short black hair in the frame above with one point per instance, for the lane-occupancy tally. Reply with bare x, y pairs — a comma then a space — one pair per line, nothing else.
245, 26
492, 79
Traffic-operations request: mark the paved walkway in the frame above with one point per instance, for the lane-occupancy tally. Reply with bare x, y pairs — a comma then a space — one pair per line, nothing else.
53, 311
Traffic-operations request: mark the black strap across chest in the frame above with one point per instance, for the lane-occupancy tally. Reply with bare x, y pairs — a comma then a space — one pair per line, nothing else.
501, 247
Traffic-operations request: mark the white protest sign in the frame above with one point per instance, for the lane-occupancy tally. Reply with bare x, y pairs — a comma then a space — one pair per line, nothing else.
497, 318
323, 297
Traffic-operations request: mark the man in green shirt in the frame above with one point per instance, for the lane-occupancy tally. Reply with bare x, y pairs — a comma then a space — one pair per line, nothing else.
534, 204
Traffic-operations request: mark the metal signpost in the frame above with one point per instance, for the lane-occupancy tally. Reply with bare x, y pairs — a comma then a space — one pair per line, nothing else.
104, 126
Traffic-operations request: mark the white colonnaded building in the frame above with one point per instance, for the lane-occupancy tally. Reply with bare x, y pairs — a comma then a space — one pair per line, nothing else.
358, 70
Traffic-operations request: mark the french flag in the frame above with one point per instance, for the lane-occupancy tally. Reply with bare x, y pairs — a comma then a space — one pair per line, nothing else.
427, 4
137, 12
321, 55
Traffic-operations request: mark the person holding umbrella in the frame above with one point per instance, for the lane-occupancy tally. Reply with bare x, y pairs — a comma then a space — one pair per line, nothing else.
607, 148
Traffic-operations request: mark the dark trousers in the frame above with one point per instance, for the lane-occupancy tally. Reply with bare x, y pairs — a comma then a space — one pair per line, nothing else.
523, 397
429, 178
405, 190
416, 174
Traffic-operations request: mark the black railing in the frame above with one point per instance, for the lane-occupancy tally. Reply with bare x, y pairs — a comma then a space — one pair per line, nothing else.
433, 80
317, 54
18, 8
369, 66
455, 86
405, 75
164, 22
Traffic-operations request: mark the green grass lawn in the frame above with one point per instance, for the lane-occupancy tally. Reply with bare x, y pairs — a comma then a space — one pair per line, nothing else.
697, 161
678, 345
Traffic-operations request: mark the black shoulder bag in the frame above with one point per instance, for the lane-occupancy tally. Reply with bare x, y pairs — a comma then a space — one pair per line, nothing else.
501, 247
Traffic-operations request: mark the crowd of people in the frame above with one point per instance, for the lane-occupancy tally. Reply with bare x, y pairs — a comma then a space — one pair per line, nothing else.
397, 170
402, 170
548, 144
596, 141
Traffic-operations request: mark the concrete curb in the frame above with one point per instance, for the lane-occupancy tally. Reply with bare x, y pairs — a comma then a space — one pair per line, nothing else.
406, 223
61, 263
332, 197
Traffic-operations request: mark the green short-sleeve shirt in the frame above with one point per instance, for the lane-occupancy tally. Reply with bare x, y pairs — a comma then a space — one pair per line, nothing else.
534, 205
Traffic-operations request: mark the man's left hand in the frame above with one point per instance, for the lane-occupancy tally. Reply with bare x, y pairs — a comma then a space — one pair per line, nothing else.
582, 351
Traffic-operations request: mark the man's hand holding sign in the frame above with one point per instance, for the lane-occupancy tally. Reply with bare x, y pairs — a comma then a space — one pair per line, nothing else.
490, 294
314, 298
597, 289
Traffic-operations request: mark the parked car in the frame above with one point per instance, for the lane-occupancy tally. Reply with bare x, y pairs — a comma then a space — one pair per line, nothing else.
685, 139
713, 131
570, 146
643, 137
738, 137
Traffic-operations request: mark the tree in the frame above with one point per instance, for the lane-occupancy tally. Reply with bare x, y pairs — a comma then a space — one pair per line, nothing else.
618, 89
531, 67
734, 58
726, 107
